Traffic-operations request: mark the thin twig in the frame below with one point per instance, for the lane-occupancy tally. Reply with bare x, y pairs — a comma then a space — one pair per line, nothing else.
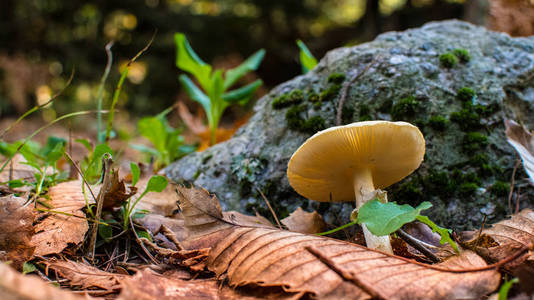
270, 207
69, 158
100, 92
106, 185
154, 260
346, 88
344, 274
417, 245
517, 199
512, 183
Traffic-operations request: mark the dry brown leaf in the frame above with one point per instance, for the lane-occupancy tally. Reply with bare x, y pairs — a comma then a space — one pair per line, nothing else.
153, 224
84, 275
15, 286
163, 203
516, 17
523, 142
146, 285
67, 224
262, 256
118, 193
304, 222
241, 219
16, 223
505, 238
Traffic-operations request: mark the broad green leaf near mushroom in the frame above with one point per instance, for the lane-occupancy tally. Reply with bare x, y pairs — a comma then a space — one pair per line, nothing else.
354, 162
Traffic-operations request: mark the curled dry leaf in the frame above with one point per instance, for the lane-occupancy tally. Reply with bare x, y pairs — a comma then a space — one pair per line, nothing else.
15, 286
84, 275
505, 238
305, 222
146, 285
153, 223
263, 256
16, 223
523, 142
66, 223
118, 192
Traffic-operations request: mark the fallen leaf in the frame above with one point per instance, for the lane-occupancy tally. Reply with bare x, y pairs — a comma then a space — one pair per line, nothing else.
118, 192
523, 142
66, 224
16, 223
147, 285
15, 286
163, 203
85, 276
305, 222
153, 223
267, 257
239, 218
505, 238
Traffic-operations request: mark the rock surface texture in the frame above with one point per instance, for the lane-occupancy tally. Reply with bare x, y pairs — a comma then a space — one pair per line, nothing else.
454, 80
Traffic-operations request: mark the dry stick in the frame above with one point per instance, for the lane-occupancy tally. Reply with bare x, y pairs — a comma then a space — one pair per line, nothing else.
512, 183
417, 245
141, 243
270, 208
517, 199
81, 174
344, 274
346, 88
481, 228
106, 185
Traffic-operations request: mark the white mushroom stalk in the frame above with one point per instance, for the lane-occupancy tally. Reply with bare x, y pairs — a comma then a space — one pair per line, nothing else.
353, 162
364, 191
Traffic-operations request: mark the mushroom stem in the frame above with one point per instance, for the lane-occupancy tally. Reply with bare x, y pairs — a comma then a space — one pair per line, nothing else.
364, 191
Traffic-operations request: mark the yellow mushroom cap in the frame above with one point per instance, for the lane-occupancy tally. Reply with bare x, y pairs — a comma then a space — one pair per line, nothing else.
324, 167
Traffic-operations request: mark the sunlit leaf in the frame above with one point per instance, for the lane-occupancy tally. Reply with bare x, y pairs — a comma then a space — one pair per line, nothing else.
156, 183
243, 93
307, 60
136, 172
188, 60
252, 63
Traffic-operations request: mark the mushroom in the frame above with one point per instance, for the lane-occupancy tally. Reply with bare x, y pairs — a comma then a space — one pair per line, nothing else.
355, 161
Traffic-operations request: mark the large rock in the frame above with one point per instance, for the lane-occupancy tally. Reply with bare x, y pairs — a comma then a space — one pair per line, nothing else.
468, 163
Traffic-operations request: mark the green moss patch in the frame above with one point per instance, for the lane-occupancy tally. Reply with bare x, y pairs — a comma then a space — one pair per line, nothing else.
405, 109
438, 123
294, 97
448, 60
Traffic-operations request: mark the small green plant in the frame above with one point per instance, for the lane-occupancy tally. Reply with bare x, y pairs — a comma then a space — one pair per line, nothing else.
307, 60
505, 288
156, 184
462, 54
405, 108
167, 141
500, 188
438, 123
214, 97
448, 60
91, 165
288, 99
466, 94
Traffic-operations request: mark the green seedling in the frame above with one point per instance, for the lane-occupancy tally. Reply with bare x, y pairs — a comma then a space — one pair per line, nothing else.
505, 288
214, 95
156, 184
91, 165
168, 144
307, 60
386, 218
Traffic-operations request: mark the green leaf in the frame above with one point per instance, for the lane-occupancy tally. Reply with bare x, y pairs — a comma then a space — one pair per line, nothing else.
140, 213
156, 184
386, 218
144, 234
145, 149
443, 232
307, 60
194, 92
28, 267
242, 93
105, 232
85, 143
55, 154
136, 172
252, 63
505, 288
188, 60
16, 183
51, 144
154, 130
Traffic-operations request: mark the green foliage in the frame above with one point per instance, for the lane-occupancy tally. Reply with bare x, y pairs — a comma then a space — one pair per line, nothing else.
505, 288
214, 96
293, 118
330, 92
307, 61
136, 172
462, 54
438, 123
405, 109
474, 141
466, 94
167, 142
314, 124
386, 218
92, 164
448, 60
466, 119
468, 188
294, 97
500, 188
28, 267
156, 184
336, 78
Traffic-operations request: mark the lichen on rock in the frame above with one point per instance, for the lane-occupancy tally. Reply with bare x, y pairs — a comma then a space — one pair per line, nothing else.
459, 109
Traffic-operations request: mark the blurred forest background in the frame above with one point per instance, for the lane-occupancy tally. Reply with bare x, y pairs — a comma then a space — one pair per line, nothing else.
42, 41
